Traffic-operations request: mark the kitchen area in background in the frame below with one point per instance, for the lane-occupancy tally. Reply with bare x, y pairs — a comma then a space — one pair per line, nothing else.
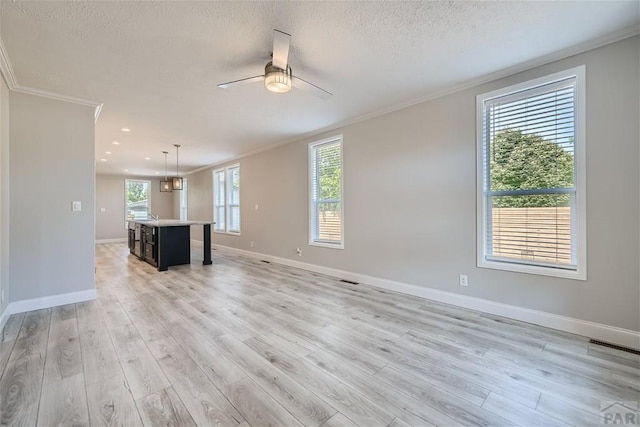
152, 223
112, 210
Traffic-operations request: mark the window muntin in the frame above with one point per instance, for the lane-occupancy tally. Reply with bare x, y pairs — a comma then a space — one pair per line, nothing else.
326, 225
531, 177
226, 200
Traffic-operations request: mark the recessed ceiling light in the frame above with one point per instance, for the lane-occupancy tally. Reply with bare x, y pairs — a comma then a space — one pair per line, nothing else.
157, 173
125, 130
147, 158
103, 160
115, 143
126, 170
107, 152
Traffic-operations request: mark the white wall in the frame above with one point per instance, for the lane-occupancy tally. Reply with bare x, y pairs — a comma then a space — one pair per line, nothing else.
4, 194
110, 196
51, 165
410, 198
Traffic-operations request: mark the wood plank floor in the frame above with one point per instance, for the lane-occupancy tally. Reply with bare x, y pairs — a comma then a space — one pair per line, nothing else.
248, 343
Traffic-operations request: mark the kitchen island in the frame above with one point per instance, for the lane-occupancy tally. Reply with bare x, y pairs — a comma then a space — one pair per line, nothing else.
166, 242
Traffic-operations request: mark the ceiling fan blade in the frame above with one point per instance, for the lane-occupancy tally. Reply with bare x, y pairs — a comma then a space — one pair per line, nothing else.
310, 87
237, 82
280, 49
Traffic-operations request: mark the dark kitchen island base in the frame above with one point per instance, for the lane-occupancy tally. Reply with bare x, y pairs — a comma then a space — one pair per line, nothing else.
164, 243
174, 246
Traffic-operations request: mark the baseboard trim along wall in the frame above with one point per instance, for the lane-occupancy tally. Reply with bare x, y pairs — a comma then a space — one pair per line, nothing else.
46, 302
102, 241
606, 333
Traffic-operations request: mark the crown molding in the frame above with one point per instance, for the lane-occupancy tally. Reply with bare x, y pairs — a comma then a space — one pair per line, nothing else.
97, 106
9, 76
6, 68
524, 66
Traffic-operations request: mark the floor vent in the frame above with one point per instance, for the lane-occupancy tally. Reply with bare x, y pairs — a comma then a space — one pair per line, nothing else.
266, 262
617, 347
349, 281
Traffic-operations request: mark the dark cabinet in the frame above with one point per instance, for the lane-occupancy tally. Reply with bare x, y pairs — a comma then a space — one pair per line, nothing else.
148, 243
134, 238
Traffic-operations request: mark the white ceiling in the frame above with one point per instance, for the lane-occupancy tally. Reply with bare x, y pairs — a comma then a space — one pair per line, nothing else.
155, 65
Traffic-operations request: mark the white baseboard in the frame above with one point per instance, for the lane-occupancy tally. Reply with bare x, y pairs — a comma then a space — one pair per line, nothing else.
120, 240
606, 333
46, 302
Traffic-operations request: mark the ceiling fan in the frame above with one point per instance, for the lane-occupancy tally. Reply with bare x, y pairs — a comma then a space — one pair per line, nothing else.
278, 76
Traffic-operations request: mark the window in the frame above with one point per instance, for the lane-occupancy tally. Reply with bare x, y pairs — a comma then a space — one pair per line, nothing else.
183, 200
531, 177
326, 226
137, 199
226, 200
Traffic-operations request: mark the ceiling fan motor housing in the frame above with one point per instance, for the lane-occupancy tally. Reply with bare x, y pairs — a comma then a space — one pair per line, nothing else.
276, 79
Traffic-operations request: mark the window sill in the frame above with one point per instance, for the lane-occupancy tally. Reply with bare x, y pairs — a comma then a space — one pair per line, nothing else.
327, 245
230, 233
579, 274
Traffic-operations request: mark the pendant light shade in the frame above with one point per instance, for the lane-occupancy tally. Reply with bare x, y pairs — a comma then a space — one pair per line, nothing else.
177, 180
166, 186
177, 183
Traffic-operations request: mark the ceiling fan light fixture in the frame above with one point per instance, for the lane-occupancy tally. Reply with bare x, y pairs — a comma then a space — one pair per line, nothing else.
276, 79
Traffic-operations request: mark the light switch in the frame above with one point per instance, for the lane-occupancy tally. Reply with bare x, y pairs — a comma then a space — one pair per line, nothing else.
256, 207
103, 210
76, 206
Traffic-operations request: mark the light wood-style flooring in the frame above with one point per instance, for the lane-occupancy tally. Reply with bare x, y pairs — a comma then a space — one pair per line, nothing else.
243, 342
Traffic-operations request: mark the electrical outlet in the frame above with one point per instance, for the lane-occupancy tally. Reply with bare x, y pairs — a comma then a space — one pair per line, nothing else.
251, 244
464, 280
299, 251
76, 206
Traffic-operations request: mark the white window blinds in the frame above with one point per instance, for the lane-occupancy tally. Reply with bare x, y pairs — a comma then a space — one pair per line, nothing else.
233, 203
219, 197
326, 210
529, 176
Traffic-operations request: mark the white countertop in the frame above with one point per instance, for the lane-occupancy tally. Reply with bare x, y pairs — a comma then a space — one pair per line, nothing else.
170, 222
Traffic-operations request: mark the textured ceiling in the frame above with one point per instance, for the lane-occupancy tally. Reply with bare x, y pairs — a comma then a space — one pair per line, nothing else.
155, 65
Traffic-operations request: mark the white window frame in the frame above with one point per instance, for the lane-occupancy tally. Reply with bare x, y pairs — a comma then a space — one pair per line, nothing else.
227, 200
313, 241
126, 211
184, 200
216, 220
578, 218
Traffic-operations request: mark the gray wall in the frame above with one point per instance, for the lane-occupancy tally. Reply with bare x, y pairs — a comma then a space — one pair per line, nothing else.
52, 164
410, 198
4, 193
110, 196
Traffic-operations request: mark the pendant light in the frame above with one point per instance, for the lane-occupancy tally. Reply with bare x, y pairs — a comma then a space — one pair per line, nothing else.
166, 186
177, 180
